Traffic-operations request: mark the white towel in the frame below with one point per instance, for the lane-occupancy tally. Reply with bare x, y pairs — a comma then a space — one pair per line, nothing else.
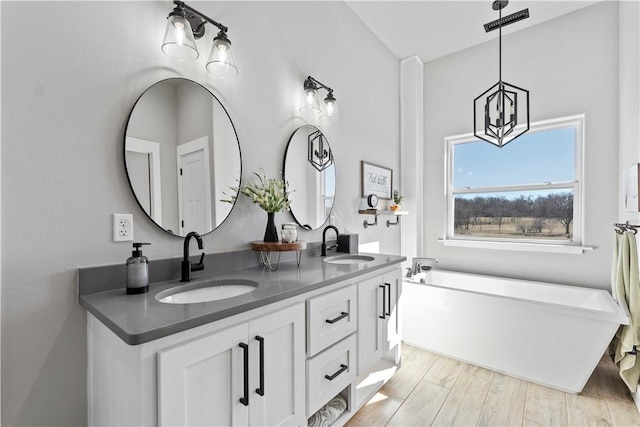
328, 413
625, 288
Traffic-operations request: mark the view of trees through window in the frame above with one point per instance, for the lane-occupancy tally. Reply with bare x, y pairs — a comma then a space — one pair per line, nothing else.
543, 216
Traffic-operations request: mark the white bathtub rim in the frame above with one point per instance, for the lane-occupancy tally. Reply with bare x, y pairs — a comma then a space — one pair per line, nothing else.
617, 316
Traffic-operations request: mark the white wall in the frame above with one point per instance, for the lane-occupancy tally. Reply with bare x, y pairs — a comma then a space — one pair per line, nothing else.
629, 103
412, 155
0, 233
629, 90
225, 161
69, 80
570, 66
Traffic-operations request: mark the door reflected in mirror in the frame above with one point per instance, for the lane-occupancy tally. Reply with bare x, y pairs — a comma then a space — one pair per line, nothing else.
181, 154
309, 168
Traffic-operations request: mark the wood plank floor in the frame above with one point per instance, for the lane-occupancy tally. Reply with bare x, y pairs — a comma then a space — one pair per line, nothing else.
433, 390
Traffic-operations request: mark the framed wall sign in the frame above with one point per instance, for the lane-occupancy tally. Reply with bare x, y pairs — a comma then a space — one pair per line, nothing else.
376, 180
630, 182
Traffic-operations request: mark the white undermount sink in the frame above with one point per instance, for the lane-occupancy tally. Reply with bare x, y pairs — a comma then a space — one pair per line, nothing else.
348, 259
206, 291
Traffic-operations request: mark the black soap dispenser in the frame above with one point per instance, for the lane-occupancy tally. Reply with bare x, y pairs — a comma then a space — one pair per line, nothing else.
137, 271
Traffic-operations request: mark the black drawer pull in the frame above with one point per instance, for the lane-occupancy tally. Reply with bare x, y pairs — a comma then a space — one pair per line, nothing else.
343, 368
384, 299
260, 390
245, 399
342, 316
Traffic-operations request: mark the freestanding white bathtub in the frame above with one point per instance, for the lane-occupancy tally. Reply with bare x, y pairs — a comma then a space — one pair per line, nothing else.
550, 334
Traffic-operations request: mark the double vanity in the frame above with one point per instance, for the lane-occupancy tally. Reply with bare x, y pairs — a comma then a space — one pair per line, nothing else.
239, 343
243, 347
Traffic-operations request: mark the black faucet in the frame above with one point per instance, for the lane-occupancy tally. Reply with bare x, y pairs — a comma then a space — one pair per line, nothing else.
324, 239
187, 267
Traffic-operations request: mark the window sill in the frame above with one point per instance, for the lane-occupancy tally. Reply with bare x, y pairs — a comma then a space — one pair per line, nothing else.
515, 246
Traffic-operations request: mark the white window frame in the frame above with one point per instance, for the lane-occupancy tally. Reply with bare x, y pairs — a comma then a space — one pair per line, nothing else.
547, 245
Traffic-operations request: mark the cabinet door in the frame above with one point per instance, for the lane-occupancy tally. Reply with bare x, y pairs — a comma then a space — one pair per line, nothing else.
370, 314
279, 398
393, 282
201, 382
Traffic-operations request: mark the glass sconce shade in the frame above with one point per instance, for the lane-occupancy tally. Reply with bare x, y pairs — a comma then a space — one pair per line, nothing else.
184, 24
310, 101
221, 61
330, 112
178, 39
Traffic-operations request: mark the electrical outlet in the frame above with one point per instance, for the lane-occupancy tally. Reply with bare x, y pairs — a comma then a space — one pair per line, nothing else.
122, 227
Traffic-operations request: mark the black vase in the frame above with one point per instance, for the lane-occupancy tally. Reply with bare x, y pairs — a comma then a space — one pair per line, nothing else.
271, 233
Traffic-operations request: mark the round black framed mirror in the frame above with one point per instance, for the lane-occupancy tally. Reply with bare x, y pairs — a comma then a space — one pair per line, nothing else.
181, 155
309, 168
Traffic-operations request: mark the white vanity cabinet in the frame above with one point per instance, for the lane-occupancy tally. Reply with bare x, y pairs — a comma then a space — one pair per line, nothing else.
371, 306
391, 331
197, 377
331, 345
201, 382
273, 365
250, 374
372, 302
378, 319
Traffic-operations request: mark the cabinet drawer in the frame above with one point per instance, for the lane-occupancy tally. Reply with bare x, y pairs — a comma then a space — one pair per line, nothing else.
331, 317
329, 372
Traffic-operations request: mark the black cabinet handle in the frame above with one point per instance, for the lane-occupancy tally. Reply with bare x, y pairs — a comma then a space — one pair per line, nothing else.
342, 316
260, 390
341, 370
384, 299
388, 299
245, 399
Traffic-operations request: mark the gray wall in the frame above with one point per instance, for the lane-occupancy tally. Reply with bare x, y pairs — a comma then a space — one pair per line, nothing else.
570, 66
69, 80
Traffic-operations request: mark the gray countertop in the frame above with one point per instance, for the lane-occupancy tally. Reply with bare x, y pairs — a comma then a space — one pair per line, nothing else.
137, 319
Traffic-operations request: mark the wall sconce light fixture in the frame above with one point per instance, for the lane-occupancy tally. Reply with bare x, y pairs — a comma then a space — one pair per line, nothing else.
184, 25
505, 105
318, 155
310, 101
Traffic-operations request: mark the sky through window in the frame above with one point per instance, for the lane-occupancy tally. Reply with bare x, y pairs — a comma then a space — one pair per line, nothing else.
533, 158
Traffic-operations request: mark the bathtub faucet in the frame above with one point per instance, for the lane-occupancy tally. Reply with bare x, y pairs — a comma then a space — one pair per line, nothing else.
422, 264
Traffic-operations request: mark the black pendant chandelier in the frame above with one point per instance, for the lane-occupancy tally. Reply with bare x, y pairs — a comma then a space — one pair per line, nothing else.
505, 113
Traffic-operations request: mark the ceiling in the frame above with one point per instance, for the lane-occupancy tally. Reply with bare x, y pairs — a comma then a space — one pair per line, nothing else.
431, 29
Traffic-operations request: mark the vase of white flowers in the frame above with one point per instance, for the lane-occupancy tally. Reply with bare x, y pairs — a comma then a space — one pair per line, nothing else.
272, 195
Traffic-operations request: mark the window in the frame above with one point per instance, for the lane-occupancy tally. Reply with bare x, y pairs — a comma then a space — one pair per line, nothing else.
328, 190
526, 192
